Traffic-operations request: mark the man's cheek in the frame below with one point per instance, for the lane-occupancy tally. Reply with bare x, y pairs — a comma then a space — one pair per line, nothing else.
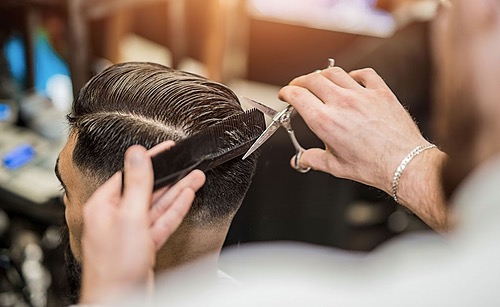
75, 227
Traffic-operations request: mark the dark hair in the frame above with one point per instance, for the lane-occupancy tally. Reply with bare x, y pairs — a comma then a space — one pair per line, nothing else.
146, 104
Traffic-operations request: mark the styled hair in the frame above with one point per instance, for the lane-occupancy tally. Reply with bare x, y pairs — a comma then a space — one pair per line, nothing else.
146, 104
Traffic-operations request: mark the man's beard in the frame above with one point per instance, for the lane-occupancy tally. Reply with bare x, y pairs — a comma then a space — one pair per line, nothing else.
73, 269
458, 130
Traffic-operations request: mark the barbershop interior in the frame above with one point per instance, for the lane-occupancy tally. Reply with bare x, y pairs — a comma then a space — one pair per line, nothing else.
51, 48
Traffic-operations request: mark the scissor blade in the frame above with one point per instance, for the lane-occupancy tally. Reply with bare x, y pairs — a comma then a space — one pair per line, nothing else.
270, 130
261, 107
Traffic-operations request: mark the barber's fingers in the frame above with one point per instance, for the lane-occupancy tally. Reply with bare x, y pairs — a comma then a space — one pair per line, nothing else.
168, 212
170, 220
154, 151
315, 158
332, 86
164, 200
160, 147
341, 78
368, 77
324, 82
306, 103
138, 182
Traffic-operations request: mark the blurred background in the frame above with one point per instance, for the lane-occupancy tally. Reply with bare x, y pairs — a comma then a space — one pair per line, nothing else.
50, 48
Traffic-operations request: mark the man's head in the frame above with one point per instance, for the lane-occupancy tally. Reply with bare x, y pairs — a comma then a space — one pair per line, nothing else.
146, 104
467, 57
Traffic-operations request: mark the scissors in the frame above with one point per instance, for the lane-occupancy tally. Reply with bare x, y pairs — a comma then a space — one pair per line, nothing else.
282, 118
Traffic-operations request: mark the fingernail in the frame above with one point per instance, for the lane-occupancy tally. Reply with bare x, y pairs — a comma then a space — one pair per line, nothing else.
446, 3
136, 158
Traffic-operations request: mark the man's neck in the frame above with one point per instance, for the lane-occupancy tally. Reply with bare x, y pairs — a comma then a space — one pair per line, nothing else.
191, 243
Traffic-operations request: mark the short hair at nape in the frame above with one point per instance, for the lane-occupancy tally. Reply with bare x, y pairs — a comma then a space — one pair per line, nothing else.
146, 104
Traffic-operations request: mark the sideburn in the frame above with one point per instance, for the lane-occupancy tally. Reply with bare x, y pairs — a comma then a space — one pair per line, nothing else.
73, 271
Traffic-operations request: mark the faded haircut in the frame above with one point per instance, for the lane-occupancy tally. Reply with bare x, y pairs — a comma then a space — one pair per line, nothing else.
146, 104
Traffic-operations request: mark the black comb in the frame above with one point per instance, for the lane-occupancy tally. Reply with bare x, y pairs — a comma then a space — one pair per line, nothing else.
209, 148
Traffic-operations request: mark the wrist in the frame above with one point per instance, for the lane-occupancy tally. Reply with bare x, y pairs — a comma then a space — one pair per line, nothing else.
98, 288
402, 166
420, 188
97, 291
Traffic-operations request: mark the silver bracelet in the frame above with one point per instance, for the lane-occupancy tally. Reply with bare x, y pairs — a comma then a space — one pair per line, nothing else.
399, 171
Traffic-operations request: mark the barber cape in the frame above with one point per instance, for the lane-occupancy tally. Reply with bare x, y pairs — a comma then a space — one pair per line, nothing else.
425, 269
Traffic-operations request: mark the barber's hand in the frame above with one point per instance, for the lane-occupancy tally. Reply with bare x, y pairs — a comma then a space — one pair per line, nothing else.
123, 232
366, 131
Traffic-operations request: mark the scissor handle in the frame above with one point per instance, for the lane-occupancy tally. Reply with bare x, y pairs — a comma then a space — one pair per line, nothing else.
285, 120
296, 163
298, 153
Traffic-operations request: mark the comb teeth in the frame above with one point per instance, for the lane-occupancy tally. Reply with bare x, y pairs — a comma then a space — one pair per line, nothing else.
236, 130
207, 149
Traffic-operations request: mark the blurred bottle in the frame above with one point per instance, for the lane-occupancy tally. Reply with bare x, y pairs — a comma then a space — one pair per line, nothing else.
26, 249
8, 107
44, 106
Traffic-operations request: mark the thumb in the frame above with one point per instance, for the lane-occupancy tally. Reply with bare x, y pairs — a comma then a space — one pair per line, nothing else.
138, 181
314, 158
